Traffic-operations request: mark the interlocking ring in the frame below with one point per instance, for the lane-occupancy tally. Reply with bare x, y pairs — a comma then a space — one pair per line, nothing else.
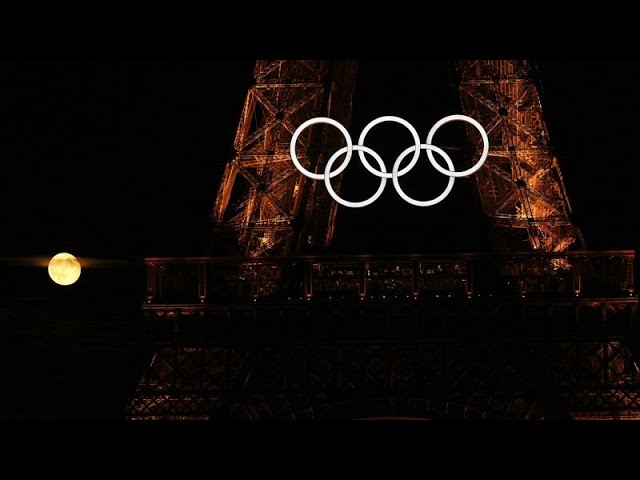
396, 172
308, 123
426, 203
401, 121
342, 201
485, 142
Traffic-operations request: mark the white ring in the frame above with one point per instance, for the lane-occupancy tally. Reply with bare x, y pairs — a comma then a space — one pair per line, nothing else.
485, 150
423, 203
401, 121
313, 121
347, 203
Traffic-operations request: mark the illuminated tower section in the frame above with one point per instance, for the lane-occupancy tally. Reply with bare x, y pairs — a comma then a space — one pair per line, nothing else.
263, 202
454, 336
520, 186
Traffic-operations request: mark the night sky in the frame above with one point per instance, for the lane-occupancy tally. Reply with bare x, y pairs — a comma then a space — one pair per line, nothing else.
122, 160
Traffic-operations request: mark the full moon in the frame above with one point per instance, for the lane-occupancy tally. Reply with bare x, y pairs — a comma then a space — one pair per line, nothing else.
64, 269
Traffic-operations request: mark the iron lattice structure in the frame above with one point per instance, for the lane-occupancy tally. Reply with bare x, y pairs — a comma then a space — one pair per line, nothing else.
537, 334
520, 187
263, 202
462, 336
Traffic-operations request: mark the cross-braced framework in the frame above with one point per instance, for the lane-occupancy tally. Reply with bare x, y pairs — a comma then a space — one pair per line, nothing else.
520, 186
263, 200
507, 335
463, 336
427, 371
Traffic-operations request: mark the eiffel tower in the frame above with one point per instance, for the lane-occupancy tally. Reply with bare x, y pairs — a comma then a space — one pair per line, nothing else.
541, 328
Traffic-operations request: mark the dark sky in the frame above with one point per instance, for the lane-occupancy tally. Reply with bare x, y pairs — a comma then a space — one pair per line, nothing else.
114, 159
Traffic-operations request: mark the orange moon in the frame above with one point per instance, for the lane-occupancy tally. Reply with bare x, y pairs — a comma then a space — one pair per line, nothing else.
64, 269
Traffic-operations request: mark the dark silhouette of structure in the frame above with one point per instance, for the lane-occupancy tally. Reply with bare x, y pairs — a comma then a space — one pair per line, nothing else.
532, 331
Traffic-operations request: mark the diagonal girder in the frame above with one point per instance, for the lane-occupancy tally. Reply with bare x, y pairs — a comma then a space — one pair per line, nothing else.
503, 96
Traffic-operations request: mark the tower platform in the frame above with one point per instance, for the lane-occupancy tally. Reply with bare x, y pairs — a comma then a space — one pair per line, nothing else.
517, 335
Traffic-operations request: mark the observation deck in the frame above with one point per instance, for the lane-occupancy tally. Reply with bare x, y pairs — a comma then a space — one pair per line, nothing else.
517, 335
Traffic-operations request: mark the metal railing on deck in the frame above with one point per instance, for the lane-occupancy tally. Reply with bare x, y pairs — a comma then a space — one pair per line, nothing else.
403, 277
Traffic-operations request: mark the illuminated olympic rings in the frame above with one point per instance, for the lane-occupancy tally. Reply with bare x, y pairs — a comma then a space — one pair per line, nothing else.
396, 172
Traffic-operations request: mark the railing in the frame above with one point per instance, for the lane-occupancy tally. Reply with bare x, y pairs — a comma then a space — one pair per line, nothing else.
212, 280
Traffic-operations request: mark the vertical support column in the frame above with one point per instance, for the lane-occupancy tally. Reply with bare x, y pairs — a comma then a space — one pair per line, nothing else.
255, 284
605, 345
151, 282
308, 280
631, 288
469, 282
577, 275
202, 282
415, 281
362, 280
